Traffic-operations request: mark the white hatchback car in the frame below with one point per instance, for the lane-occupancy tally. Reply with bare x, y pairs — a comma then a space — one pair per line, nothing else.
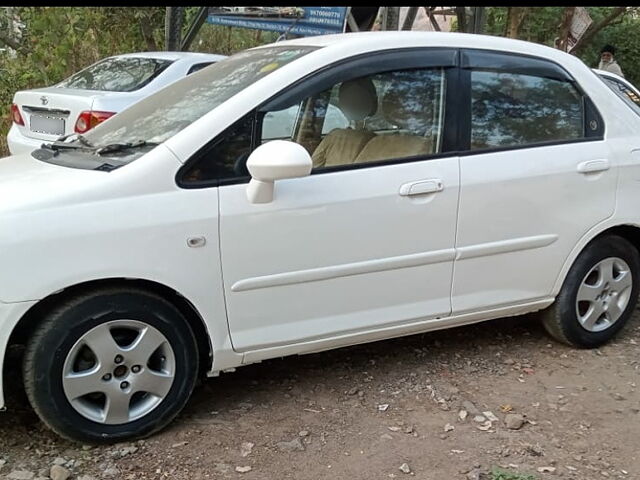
473, 177
94, 94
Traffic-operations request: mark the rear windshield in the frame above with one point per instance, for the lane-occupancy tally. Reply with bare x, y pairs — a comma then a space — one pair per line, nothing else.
163, 114
117, 74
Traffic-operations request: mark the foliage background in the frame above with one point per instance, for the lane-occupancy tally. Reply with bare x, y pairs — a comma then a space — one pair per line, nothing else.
542, 25
50, 43
57, 41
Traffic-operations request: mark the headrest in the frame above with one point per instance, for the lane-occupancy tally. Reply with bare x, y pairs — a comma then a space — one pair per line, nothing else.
358, 99
405, 108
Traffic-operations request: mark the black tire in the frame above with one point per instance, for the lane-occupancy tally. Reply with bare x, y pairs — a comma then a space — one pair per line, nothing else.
54, 338
561, 318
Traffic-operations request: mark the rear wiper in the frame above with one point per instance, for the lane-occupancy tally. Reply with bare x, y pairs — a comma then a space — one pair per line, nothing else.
118, 147
57, 145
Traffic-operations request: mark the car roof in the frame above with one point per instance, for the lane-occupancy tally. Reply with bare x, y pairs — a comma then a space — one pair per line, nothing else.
195, 56
398, 39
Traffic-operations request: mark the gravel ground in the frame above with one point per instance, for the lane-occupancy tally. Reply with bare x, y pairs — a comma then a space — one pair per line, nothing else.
448, 405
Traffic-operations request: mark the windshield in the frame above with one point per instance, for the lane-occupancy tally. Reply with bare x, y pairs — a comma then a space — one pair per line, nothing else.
624, 92
163, 114
117, 74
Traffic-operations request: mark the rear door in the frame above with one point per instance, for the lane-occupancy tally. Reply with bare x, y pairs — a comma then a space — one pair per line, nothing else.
536, 175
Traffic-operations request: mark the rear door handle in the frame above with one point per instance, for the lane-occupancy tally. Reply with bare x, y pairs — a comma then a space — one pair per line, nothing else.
593, 166
421, 187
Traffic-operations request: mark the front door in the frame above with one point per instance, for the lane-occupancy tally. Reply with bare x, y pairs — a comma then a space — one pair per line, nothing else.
367, 240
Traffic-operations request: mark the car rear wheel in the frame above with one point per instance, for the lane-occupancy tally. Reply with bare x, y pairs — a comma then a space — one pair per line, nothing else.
110, 366
598, 296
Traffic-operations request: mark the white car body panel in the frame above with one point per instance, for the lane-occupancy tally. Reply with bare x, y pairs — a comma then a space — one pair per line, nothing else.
335, 259
23, 139
341, 279
549, 204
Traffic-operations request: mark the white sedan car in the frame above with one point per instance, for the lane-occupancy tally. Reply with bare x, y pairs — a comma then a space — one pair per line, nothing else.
94, 94
472, 177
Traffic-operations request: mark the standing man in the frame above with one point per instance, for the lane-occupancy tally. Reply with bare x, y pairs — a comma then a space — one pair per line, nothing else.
607, 62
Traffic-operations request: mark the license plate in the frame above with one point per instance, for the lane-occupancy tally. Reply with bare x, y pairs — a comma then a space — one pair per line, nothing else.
50, 125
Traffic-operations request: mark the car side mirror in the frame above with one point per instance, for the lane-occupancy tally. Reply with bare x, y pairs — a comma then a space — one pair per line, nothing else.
275, 160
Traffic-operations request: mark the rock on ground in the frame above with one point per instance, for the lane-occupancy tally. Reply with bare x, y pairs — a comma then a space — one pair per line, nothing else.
514, 421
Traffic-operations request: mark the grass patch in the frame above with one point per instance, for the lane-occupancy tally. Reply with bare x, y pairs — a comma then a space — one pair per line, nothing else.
500, 474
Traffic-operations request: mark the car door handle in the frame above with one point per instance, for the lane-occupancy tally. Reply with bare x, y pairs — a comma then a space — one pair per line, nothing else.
593, 166
421, 187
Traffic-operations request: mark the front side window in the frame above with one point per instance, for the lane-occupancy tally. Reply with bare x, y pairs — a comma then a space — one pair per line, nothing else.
280, 125
509, 109
625, 93
225, 157
117, 74
386, 116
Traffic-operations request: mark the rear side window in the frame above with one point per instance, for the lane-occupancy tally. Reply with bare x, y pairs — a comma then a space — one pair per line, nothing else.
512, 109
117, 74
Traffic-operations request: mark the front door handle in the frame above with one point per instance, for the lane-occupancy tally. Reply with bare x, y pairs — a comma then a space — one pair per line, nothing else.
593, 166
421, 187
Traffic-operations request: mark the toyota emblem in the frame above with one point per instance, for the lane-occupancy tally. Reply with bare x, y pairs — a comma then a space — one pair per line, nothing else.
44, 100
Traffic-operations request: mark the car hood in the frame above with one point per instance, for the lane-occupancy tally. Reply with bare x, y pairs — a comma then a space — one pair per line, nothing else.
27, 183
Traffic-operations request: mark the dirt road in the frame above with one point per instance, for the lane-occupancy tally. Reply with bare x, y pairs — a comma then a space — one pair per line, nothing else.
409, 407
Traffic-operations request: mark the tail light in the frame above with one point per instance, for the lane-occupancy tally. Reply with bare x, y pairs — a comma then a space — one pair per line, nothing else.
89, 119
16, 116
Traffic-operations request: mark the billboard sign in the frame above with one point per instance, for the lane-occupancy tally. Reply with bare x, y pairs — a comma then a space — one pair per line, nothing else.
580, 23
296, 20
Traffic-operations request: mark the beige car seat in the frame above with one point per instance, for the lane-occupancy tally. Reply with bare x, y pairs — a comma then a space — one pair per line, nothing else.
357, 99
407, 112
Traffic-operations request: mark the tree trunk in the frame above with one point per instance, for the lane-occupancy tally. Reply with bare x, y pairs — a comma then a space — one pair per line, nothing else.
515, 18
565, 28
147, 33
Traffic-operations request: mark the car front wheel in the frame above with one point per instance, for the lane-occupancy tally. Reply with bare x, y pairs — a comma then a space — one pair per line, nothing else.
598, 296
111, 365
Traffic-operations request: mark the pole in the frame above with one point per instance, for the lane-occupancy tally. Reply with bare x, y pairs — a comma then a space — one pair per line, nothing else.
194, 28
477, 19
393, 18
173, 19
410, 18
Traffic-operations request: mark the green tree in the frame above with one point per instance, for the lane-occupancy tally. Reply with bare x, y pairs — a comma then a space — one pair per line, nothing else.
54, 42
619, 26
